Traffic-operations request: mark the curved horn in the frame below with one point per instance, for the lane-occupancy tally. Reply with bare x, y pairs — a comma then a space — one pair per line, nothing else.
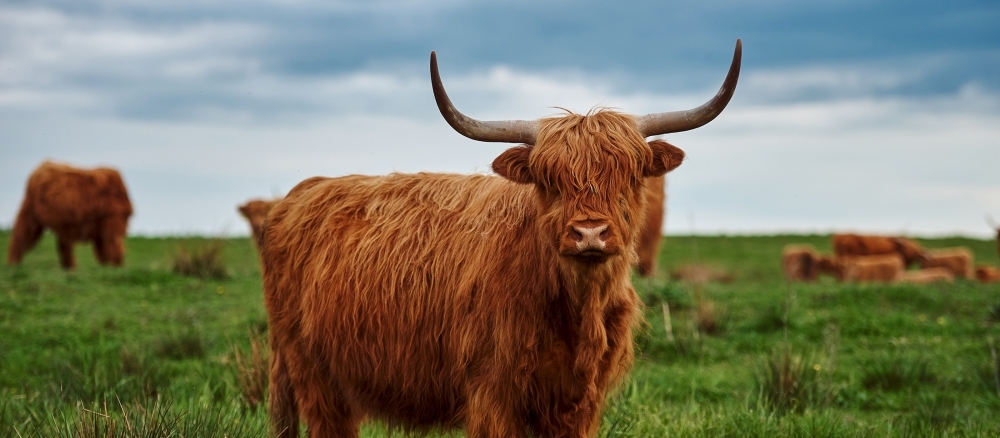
504, 131
677, 121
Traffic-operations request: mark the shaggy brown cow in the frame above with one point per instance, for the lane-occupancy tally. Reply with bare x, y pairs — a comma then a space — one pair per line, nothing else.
958, 260
875, 268
987, 274
255, 211
929, 275
801, 262
798, 262
849, 245
78, 205
498, 304
649, 238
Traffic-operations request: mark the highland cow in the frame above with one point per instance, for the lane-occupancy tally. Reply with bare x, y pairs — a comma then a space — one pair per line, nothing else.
649, 238
498, 304
850, 245
77, 205
801, 262
887, 268
958, 260
255, 211
988, 274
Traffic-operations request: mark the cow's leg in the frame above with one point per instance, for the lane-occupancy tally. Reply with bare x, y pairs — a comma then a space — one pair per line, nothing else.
490, 413
65, 247
281, 399
326, 411
25, 235
99, 249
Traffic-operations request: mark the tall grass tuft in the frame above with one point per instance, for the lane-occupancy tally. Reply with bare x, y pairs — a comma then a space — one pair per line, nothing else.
185, 345
894, 371
92, 374
203, 262
781, 381
148, 418
250, 369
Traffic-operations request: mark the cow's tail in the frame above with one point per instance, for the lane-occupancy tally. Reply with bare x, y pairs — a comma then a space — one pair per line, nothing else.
282, 407
26, 233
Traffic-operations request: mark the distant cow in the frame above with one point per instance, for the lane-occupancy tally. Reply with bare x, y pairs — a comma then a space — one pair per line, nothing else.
929, 275
958, 260
988, 274
801, 262
851, 245
798, 262
78, 205
648, 246
255, 211
886, 268
498, 304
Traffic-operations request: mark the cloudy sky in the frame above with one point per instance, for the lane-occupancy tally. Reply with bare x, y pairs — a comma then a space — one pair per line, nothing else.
877, 116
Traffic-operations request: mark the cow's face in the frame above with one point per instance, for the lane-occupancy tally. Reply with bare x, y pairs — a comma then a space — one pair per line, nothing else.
112, 239
589, 173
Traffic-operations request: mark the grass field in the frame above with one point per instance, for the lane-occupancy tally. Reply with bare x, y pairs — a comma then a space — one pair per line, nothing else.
142, 351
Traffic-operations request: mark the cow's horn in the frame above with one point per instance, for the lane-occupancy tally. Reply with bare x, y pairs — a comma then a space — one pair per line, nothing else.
504, 131
677, 121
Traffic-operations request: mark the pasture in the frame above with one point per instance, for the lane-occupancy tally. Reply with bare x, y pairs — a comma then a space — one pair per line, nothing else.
144, 351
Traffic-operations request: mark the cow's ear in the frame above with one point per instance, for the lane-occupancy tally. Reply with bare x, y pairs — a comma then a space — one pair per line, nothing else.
513, 164
666, 157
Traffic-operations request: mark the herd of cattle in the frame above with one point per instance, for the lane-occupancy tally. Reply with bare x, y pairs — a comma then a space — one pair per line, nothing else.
858, 258
498, 304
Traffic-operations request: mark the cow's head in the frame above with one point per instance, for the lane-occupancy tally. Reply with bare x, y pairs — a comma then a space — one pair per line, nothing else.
255, 212
910, 250
588, 170
117, 209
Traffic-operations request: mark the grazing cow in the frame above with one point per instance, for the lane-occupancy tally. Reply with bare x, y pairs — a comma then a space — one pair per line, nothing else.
958, 260
499, 304
255, 211
649, 238
987, 274
850, 245
874, 268
929, 275
77, 205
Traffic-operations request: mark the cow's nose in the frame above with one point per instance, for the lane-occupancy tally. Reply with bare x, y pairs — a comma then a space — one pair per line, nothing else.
590, 237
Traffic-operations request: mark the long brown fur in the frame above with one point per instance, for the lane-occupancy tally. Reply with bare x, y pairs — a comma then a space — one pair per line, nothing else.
886, 268
436, 300
958, 260
78, 205
988, 274
798, 262
255, 211
649, 239
850, 245
925, 276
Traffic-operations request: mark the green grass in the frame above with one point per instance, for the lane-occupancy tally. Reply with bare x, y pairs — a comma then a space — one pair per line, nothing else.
144, 351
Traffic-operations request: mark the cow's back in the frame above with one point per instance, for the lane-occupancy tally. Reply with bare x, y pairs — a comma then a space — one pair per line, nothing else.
847, 245
387, 277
